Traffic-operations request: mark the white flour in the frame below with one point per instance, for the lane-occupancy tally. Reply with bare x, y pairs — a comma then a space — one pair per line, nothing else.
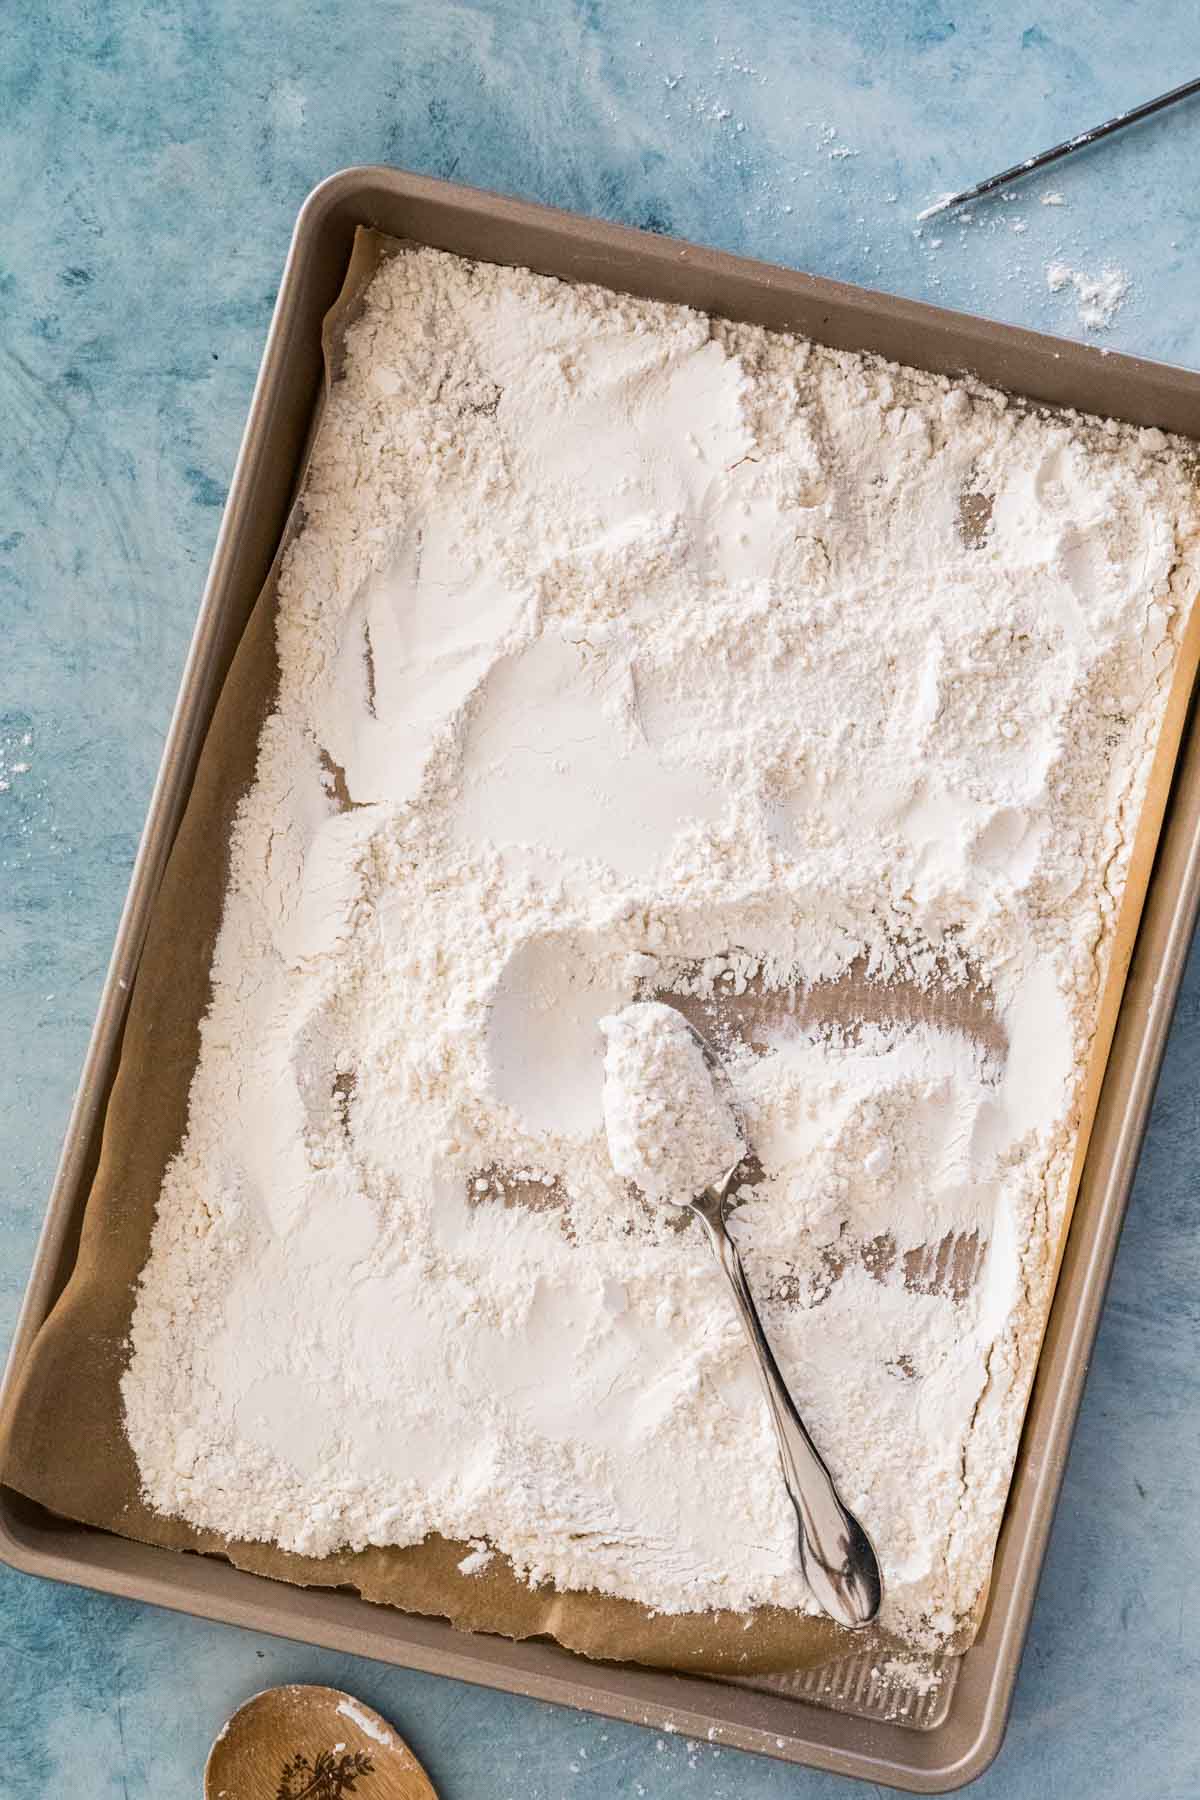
627, 653
669, 1131
1098, 297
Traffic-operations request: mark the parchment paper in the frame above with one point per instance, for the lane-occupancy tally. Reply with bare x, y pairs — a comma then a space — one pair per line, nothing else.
63, 1443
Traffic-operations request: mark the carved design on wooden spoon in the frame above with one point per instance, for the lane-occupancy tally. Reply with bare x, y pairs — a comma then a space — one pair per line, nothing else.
312, 1743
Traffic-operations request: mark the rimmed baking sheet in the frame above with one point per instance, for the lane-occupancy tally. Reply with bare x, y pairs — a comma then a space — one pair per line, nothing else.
970, 1699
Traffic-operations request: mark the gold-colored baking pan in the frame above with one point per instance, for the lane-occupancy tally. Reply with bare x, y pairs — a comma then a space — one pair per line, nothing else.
848, 1717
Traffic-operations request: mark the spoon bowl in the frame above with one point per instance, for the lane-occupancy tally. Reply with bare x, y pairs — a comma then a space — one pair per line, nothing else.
311, 1743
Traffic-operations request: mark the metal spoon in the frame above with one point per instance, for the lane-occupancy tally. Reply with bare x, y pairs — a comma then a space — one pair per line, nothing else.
835, 1552
1067, 148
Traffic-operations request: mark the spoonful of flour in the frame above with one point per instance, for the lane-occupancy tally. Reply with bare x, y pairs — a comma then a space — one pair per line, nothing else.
673, 1128
670, 1128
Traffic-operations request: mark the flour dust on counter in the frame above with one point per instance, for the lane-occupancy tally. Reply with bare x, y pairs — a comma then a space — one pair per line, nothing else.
1098, 297
631, 655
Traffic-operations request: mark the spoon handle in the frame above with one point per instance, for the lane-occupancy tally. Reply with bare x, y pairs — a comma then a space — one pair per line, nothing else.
835, 1553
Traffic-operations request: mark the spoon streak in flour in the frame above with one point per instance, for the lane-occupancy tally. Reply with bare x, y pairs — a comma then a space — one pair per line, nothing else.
839, 1563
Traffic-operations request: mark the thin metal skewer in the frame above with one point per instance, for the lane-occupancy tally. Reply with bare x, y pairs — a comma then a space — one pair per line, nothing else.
1065, 149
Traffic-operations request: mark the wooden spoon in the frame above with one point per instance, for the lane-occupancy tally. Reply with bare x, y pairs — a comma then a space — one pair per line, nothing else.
311, 1743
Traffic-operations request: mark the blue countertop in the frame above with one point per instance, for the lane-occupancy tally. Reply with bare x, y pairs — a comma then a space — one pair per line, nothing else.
156, 154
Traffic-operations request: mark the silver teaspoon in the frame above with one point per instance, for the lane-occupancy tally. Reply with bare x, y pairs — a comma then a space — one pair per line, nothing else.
836, 1556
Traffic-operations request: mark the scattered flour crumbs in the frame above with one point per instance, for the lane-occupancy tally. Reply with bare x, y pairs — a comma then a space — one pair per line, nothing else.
1098, 297
630, 654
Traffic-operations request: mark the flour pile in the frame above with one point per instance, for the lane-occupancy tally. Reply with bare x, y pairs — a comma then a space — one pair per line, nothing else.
669, 1130
628, 655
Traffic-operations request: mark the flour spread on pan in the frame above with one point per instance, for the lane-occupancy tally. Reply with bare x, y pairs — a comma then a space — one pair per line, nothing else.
625, 655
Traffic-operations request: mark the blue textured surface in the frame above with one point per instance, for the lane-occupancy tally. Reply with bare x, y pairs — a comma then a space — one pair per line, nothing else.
155, 153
